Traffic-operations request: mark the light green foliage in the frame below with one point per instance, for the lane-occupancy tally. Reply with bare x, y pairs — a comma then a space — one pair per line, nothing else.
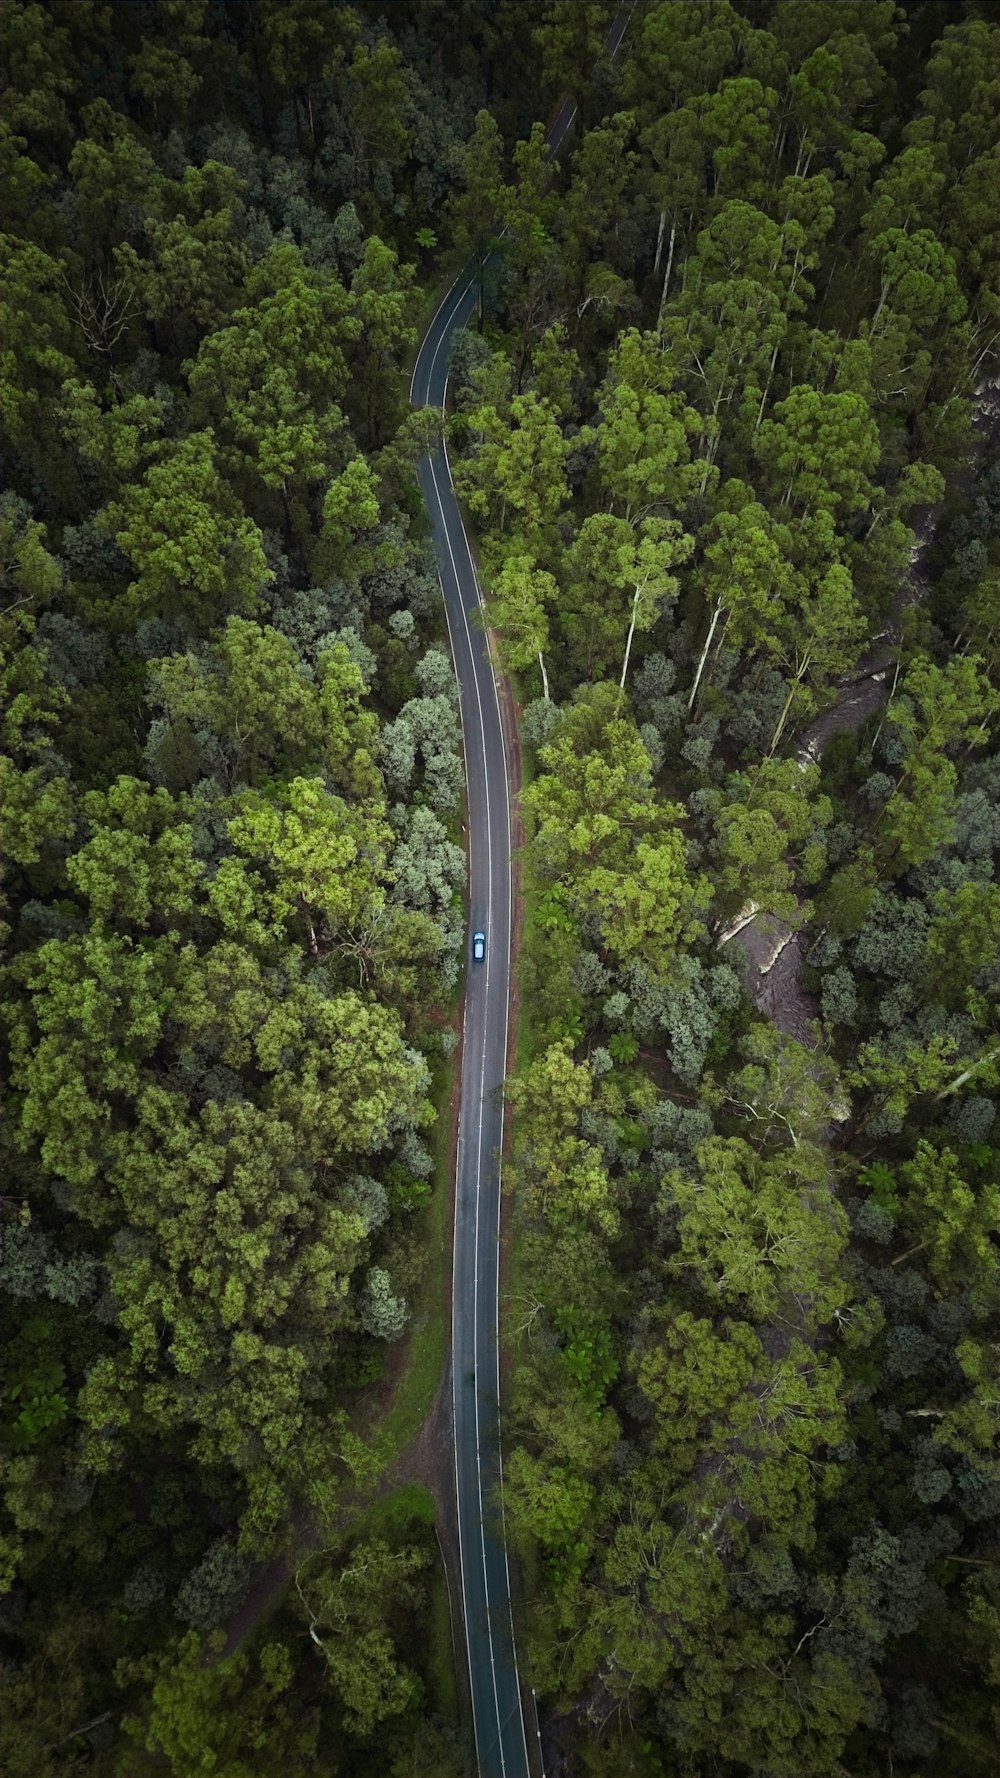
728, 327
768, 835
820, 451
517, 474
35, 798
549, 1502
220, 1716
691, 1374
198, 263
253, 1260
350, 731
249, 693
119, 440
820, 638
963, 946
676, 51
746, 575
749, 1229
520, 593
137, 868
936, 708
733, 335
918, 279
563, 1175
601, 834
192, 549
321, 859
785, 1092
896, 1077
618, 579
96, 1016
596, 204
350, 510
738, 123
350, 1609
257, 1255
643, 450
969, 1425
270, 383
962, 95
115, 177
955, 1223
529, 214
244, 705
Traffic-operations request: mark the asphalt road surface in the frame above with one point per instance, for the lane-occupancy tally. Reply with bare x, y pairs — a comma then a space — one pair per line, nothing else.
485, 1582
497, 1704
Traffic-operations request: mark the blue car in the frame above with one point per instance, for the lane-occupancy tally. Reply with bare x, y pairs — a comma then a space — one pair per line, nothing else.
478, 946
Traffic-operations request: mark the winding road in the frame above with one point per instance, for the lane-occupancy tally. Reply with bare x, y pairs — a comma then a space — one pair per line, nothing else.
501, 1729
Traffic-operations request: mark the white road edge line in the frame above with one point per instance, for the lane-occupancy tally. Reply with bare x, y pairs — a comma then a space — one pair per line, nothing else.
479, 1137
454, 1233
506, 781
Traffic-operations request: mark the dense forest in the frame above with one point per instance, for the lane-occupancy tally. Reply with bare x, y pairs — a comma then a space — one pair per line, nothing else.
722, 422
723, 438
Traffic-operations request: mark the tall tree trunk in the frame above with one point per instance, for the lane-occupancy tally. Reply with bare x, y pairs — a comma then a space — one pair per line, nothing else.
966, 1074
713, 446
628, 644
659, 243
783, 717
545, 677
767, 386
704, 654
666, 278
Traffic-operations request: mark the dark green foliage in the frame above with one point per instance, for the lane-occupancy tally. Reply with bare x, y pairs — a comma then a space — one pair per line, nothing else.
225, 947
725, 357
754, 1500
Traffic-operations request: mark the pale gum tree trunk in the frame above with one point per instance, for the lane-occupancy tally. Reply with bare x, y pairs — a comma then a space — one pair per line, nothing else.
704, 654
545, 677
659, 243
628, 641
767, 385
966, 1074
712, 447
666, 278
783, 718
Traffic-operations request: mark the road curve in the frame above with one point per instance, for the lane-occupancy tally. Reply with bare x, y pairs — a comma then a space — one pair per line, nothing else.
497, 1703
